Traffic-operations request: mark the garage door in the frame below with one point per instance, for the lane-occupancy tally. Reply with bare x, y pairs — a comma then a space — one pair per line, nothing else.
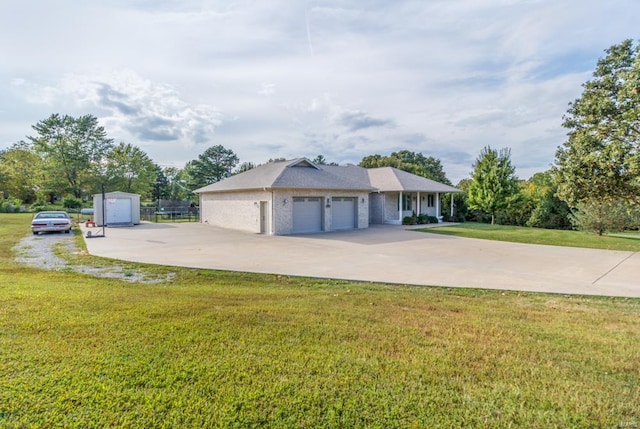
307, 214
343, 213
118, 211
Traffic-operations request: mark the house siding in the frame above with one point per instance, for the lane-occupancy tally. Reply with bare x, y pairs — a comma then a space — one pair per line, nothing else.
235, 210
241, 210
391, 207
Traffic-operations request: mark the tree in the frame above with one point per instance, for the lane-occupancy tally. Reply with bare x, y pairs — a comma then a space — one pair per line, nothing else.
245, 166
72, 150
549, 211
602, 216
129, 169
176, 184
493, 181
601, 157
411, 162
321, 160
212, 165
20, 173
160, 185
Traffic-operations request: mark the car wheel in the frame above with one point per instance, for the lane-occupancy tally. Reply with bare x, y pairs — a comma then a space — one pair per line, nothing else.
35, 233
67, 231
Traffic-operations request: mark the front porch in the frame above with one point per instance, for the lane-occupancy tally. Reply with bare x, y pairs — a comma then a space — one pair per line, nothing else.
398, 205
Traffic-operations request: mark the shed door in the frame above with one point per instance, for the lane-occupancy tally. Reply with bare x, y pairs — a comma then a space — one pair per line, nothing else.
343, 213
307, 215
118, 210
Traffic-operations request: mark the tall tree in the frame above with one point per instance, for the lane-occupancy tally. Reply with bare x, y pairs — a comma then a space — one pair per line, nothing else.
20, 173
160, 185
129, 169
176, 184
245, 166
601, 157
412, 162
72, 150
493, 181
549, 211
212, 165
319, 160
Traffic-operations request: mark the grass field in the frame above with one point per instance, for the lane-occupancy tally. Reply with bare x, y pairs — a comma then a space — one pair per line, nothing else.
219, 349
516, 234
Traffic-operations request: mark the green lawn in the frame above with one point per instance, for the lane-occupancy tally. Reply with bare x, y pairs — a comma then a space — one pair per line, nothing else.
219, 349
553, 237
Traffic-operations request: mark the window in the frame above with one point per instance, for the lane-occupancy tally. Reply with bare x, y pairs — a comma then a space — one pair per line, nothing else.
406, 202
431, 200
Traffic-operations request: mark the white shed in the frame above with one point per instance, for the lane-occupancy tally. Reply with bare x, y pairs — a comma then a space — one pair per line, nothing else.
120, 209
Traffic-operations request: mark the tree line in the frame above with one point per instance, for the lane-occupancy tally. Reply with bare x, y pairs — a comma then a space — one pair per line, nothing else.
594, 183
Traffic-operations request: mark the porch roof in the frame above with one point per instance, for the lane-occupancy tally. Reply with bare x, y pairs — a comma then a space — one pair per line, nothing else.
388, 179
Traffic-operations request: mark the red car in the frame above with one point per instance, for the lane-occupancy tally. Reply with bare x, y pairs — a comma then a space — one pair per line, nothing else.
51, 221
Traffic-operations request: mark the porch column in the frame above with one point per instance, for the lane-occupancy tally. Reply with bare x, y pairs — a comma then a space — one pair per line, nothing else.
438, 205
451, 211
418, 203
400, 208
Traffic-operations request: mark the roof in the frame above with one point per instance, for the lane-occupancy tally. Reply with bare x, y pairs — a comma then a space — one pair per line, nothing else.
303, 174
298, 173
118, 194
392, 179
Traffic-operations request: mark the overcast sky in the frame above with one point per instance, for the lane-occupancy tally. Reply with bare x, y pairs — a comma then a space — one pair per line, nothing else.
285, 78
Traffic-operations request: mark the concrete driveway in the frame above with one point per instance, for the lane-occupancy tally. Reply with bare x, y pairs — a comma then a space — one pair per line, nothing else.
388, 254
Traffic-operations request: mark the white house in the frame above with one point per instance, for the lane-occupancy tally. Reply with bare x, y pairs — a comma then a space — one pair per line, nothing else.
297, 196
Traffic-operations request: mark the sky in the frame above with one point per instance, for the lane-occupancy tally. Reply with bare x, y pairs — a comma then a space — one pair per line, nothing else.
288, 79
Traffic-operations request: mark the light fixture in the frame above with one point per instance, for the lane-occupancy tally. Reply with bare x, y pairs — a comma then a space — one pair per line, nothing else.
285, 201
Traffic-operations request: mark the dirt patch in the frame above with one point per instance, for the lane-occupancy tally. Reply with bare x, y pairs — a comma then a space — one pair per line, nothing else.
39, 251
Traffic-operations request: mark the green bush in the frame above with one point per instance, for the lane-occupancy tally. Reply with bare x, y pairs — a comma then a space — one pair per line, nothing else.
39, 206
10, 205
72, 204
602, 216
410, 220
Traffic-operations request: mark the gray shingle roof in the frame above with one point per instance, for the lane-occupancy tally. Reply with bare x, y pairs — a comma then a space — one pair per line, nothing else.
303, 174
298, 173
391, 179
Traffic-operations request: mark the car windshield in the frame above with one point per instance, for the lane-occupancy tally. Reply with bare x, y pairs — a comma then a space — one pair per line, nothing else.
51, 216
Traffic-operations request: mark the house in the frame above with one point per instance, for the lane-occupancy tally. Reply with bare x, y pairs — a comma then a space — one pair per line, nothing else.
297, 196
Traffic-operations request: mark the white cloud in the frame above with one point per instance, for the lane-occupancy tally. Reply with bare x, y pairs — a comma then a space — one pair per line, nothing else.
442, 77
